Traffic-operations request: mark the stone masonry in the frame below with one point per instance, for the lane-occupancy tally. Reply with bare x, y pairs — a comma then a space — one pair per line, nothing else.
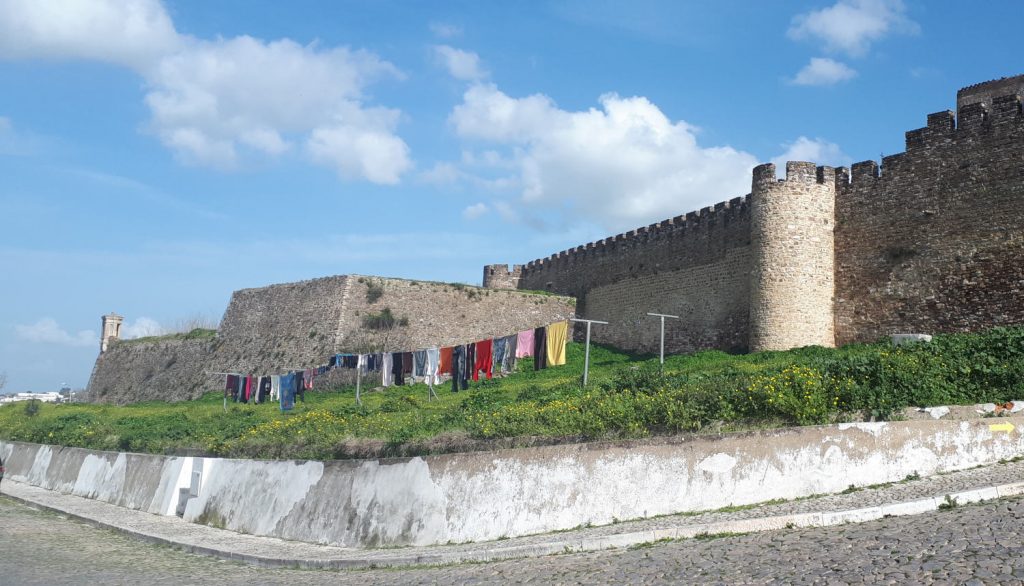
932, 241
292, 326
792, 282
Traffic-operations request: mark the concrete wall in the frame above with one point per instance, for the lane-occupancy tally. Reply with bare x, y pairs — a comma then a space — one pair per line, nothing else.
487, 495
283, 327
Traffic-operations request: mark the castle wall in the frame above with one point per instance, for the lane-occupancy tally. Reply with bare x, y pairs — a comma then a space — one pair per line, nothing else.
167, 370
695, 266
934, 242
441, 314
290, 326
281, 327
711, 300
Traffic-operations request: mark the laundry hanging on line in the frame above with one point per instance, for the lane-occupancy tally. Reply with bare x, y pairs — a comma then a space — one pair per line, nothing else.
546, 344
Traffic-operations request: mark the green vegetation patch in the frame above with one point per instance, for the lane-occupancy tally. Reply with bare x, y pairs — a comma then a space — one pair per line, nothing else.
194, 334
628, 397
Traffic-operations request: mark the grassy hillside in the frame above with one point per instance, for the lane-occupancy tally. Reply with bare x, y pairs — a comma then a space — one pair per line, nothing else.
627, 397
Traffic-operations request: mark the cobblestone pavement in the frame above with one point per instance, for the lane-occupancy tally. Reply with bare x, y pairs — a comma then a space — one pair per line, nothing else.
975, 544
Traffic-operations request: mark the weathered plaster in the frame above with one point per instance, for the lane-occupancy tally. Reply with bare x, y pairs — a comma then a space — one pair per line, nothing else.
488, 495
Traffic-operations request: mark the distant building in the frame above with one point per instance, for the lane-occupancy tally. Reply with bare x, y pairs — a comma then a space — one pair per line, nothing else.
50, 397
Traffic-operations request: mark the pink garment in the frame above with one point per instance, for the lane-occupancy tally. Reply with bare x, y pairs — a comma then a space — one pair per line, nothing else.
524, 344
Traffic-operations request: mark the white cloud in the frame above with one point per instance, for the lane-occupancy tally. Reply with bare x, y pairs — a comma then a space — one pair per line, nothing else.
823, 71
363, 145
623, 164
141, 328
815, 150
217, 98
48, 331
445, 30
215, 101
133, 33
474, 211
462, 65
850, 26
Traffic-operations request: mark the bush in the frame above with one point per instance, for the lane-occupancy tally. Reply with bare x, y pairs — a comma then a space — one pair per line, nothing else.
31, 407
798, 394
384, 320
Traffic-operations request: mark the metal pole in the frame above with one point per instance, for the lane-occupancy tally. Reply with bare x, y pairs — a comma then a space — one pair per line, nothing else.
359, 377
662, 342
586, 355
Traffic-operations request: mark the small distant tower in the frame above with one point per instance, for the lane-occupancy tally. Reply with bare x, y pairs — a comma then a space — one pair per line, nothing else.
500, 277
111, 330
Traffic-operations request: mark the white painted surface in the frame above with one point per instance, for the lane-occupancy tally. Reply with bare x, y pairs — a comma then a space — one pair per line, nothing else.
489, 495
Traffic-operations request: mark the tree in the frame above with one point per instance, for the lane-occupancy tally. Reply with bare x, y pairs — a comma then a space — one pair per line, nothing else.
3, 380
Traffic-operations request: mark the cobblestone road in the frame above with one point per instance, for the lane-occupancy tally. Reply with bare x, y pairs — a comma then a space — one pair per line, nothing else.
977, 544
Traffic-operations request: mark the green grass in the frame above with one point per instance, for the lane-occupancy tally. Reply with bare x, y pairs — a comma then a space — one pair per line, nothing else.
194, 334
627, 398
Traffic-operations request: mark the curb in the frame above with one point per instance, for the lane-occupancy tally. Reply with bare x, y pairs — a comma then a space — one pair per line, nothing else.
615, 541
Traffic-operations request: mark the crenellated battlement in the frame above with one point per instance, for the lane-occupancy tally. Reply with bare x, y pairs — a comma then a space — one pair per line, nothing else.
500, 276
688, 225
926, 240
985, 92
797, 172
972, 118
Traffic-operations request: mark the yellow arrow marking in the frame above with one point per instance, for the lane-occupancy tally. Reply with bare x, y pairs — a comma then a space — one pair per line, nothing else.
1007, 427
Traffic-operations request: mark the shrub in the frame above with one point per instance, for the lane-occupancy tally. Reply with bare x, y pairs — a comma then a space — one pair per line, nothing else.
384, 320
374, 291
798, 394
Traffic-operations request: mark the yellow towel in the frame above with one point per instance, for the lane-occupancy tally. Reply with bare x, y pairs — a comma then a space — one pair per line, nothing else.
556, 343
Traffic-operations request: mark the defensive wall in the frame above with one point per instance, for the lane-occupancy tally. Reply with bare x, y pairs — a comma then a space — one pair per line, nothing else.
289, 326
930, 241
481, 496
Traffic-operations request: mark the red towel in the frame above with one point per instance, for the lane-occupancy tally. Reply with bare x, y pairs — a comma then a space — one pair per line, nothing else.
445, 366
484, 358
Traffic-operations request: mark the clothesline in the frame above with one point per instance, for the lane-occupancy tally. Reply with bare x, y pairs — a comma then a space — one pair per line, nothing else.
546, 344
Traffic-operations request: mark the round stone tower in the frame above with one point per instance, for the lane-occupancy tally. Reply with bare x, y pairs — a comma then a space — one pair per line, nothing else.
793, 276
111, 330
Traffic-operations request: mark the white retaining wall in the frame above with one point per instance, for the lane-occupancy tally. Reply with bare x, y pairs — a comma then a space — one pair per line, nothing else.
487, 495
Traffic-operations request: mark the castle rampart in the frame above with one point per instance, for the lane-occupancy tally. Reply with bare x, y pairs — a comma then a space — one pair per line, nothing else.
290, 326
935, 242
675, 266
931, 240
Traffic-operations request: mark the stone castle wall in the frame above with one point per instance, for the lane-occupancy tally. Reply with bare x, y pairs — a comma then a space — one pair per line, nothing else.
933, 243
696, 266
166, 370
289, 326
441, 314
934, 240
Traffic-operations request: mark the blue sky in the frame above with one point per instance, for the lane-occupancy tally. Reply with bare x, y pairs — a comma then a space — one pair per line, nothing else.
155, 156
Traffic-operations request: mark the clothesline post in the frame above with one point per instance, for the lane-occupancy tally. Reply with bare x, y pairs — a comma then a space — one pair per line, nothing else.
586, 359
225, 396
359, 378
662, 345
430, 391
